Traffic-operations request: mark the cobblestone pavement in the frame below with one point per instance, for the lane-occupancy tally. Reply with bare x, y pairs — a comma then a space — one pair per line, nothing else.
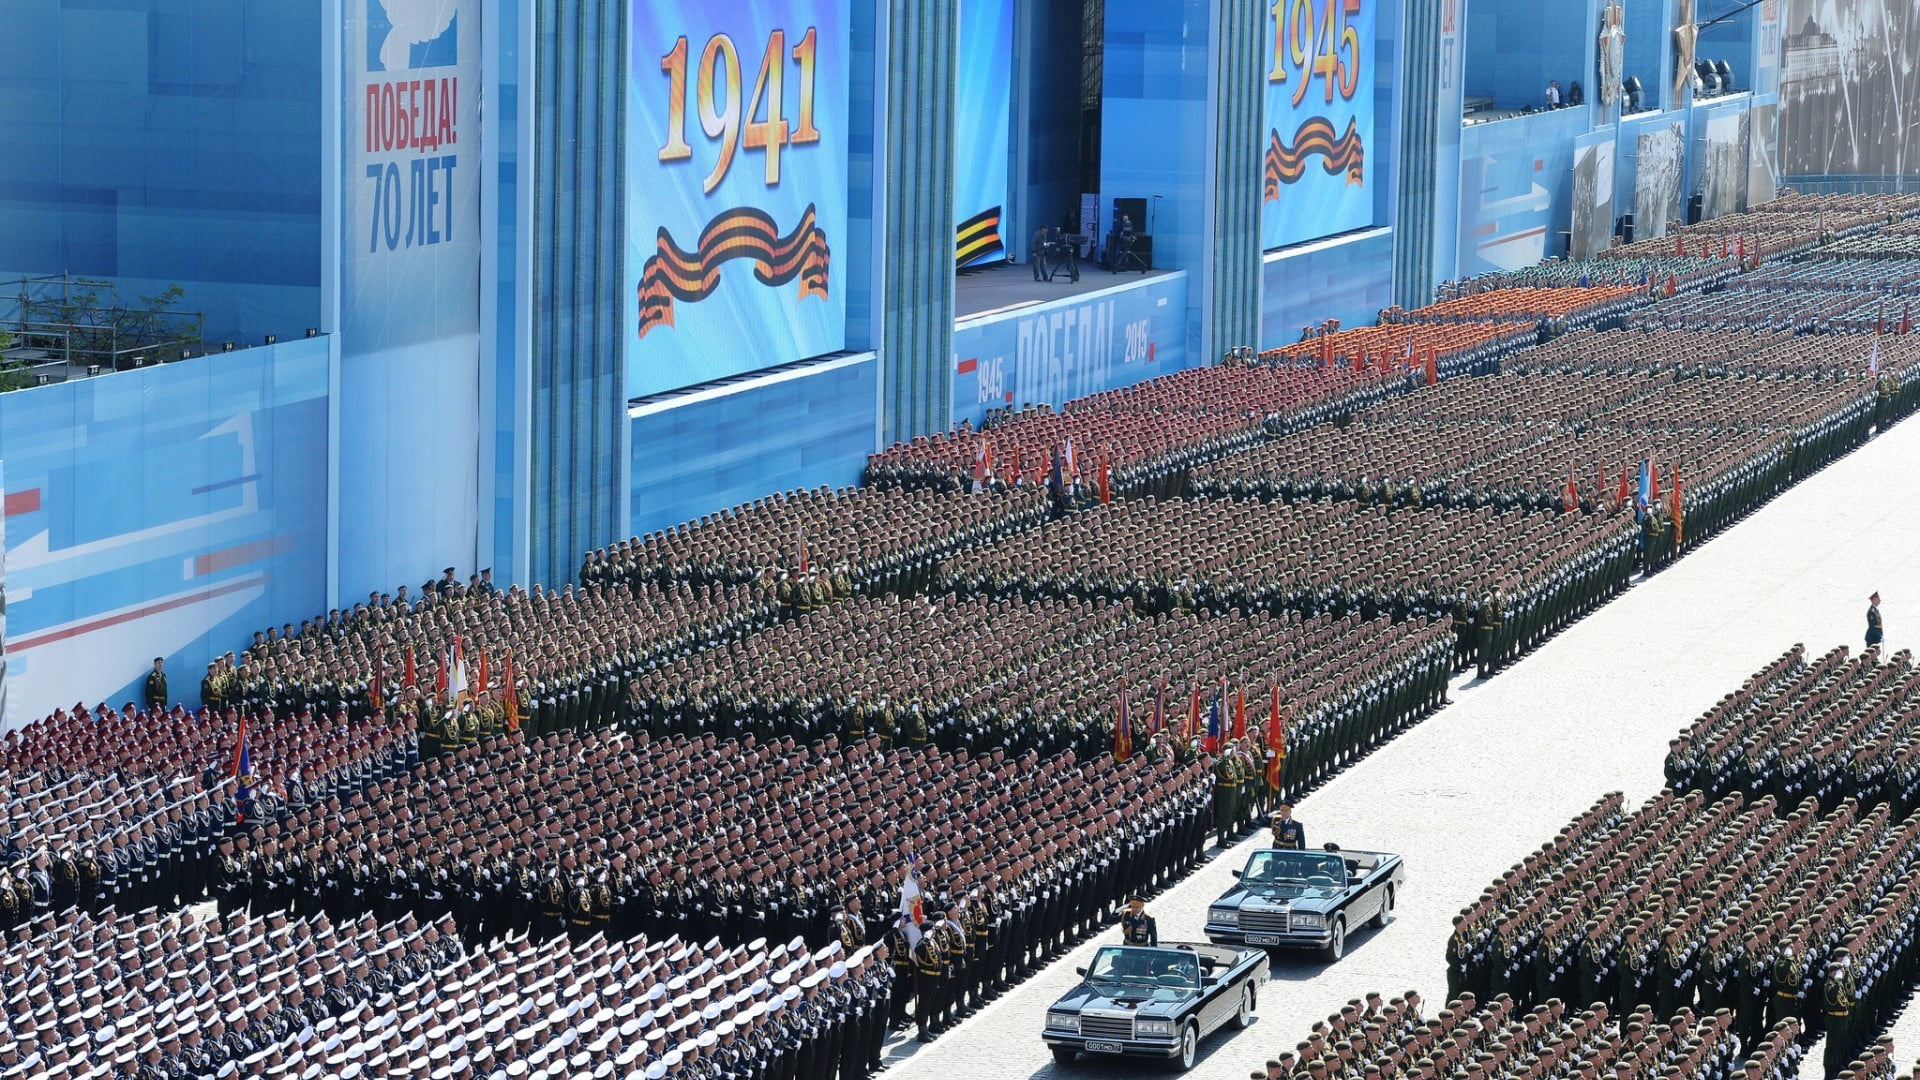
1470, 791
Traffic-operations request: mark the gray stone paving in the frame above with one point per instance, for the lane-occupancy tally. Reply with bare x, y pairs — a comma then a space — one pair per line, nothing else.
1467, 793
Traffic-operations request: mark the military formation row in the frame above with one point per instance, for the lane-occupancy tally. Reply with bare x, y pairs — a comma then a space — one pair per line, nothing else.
1499, 1039
1723, 906
540, 660
161, 997
1040, 675
604, 834
1838, 726
1506, 580
1136, 441
1693, 272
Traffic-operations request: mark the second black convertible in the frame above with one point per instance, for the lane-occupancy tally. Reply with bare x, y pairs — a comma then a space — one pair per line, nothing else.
1306, 899
1158, 1002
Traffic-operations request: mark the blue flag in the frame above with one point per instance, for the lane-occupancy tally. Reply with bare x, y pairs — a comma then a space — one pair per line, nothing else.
1643, 498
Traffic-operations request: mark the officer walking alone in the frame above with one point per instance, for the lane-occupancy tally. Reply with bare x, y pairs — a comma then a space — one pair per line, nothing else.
1874, 630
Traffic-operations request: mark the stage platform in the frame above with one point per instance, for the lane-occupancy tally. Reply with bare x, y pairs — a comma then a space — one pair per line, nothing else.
997, 289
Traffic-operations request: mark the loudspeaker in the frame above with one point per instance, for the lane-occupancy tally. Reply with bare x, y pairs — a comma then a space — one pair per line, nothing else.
1133, 208
1143, 247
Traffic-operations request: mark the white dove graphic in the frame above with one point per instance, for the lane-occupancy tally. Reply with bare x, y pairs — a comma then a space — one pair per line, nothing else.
414, 22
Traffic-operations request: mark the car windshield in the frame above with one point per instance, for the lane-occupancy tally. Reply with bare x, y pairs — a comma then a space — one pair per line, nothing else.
1295, 868
1145, 968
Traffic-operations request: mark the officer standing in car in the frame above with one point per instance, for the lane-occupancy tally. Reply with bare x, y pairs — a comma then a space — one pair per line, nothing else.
1288, 833
1136, 926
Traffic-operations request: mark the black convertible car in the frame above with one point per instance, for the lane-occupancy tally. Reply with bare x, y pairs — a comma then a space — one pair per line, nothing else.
1306, 899
1135, 1001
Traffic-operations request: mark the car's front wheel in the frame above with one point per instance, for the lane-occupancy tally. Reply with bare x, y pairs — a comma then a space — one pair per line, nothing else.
1189, 1047
1243, 1019
1337, 946
1063, 1056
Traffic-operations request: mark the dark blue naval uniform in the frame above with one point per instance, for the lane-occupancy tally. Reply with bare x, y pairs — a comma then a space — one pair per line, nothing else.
1139, 929
1874, 630
1290, 834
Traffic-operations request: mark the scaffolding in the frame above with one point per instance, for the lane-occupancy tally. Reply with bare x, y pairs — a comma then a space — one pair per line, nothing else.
64, 327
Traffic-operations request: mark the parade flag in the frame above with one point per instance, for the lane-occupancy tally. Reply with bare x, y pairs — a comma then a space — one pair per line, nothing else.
1679, 245
1212, 743
1653, 483
1360, 359
911, 915
1106, 489
242, 773
1433, 365
1620, 497
481, 683
1276, 743
1240, 713
443, 675
1056, 479
512, 694
1873, 359
1159, 710
1643, 498
1386, 362
1570, 499
1193, 718
1679, 533
407, 678
456, 673
1072, 463
376, 694
1122, 730
1673, 286
1019, 474
982, 464
1326, 349
800, 548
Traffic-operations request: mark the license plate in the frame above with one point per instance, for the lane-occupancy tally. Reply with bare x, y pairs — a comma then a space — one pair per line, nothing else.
1263, 939
1102, 1047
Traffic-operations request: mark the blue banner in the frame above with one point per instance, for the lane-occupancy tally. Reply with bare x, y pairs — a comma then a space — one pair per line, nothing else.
168, 511
1319, 119
1070, 348
982, 123
737, 188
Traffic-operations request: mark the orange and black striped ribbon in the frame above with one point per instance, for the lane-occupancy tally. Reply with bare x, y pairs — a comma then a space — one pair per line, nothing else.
1287, 164
745, 233
978, 237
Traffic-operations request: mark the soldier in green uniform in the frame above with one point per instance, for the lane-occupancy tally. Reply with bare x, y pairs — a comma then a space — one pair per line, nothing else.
1839, 1006
1226, 784
210, 687
156, 688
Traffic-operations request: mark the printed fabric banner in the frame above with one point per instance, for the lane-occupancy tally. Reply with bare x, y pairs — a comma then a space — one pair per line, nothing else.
982, 120
737, 188
1319, 119
412, 118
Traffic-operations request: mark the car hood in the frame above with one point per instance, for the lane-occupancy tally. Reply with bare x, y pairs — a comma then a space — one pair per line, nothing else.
1140, 1001
1297, 897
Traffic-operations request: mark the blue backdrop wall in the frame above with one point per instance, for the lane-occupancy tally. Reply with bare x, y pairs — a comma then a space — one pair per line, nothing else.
723, 445
164, 141
1349, 278
168, 511
1070, 348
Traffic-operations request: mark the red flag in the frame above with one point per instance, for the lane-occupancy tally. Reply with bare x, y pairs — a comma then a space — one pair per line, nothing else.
1106, 489
1673, 286
1653, 481
1276, 742
1360, 359
1122, 730
1433, 366
1674, 511
407, 679
1386, 362
482, 684
1570, 499
1019, 474
800, 547
1326, 349
1193, 716
376, 696
512, 694
1679, 246
1625, 493
1725, 248
1240, 713
1159, 710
